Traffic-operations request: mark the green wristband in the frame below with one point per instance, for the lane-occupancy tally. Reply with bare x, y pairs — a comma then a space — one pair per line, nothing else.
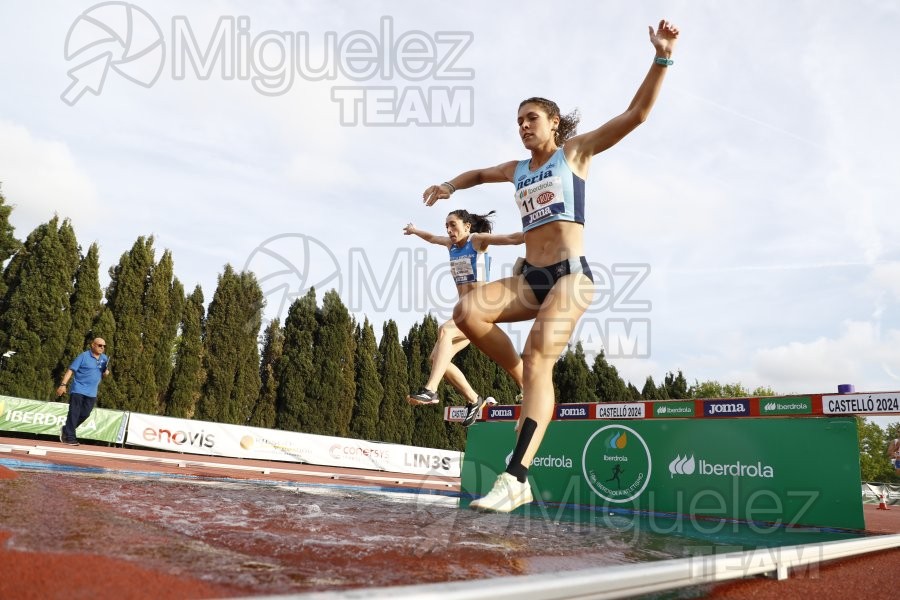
663, 62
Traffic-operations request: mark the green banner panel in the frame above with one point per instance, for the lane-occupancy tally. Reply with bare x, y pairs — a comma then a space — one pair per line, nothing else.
47, 418
792, 405
671, 409
802, 472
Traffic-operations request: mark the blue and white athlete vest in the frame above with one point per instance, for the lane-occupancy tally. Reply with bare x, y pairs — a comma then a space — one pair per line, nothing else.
552, 193
467, 264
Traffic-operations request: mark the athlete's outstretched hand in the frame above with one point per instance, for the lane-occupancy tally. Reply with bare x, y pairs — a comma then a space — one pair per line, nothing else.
435, 193
663, 39
410, 229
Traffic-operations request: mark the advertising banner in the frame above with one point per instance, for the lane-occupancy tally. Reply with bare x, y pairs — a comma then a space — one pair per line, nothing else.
674, 409
785, 405
861, 404
773, 470
238, 441
623, 410
47, 418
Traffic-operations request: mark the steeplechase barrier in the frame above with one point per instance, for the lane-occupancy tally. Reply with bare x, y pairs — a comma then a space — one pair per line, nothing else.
789, 461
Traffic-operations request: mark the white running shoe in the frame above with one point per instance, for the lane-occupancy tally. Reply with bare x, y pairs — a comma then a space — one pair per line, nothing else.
507, 495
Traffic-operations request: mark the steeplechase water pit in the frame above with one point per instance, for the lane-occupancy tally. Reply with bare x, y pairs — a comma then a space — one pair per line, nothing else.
683, 488
260, 537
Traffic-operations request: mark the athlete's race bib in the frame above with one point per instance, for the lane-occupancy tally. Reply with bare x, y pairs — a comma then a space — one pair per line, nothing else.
462, 270
540, 201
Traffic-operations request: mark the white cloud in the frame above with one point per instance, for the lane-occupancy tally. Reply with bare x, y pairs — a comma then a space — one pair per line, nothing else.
886, 277
40, 177
860, 355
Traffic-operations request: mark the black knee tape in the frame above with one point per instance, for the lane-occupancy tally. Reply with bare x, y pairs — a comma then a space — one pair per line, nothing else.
516, 468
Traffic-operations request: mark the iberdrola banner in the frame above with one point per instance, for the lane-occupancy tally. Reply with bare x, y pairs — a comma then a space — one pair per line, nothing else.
787, 471
47, 418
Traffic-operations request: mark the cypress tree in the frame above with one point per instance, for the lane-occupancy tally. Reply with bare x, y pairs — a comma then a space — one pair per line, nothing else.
84, 308
334, 386
609, 386
72, 260
188, 376
135, 385
634, 393
273, 347
428, 424
650, 391
395, 419
248, 383
417, 360
104, 326
369, 391
294, 371
37, 318
676, 386
8, 244
231, 357
574, 379
163, 303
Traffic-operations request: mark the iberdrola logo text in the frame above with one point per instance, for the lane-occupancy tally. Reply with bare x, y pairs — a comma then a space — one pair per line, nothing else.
682, 465
550, 461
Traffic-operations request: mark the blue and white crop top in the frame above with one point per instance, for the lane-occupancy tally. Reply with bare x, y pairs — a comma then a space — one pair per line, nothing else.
552, 193
467, 264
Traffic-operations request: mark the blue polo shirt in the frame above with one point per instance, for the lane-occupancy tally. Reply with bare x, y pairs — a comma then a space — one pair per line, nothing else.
87, 373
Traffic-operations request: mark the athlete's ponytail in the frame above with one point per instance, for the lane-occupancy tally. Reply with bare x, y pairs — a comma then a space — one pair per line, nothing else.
479, 223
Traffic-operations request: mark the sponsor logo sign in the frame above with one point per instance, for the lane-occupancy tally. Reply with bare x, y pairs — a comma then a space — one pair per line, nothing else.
545, 198
501, 413
573, 411
620, 410
456, 413
726, 408
547, 461
616, 463
47, 418
854, 404
800, 405
222, 439
688, 465
670, 410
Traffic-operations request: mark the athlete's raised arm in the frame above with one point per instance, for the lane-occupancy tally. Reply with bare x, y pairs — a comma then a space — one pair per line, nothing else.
498, 174
581, 148
439, 240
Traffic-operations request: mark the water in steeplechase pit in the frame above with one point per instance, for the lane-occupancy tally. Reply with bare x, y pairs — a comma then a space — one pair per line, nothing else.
270, 538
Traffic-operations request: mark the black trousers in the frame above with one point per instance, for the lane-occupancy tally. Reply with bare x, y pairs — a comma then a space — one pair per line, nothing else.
80, 408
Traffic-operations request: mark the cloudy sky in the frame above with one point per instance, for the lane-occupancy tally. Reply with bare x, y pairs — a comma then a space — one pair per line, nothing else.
747, 232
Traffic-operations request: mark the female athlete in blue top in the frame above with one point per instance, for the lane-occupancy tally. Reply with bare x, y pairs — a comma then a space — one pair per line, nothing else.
555, 286
468, 237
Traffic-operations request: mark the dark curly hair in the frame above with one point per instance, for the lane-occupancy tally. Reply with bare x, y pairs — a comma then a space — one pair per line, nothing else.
479, 223
567, 123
